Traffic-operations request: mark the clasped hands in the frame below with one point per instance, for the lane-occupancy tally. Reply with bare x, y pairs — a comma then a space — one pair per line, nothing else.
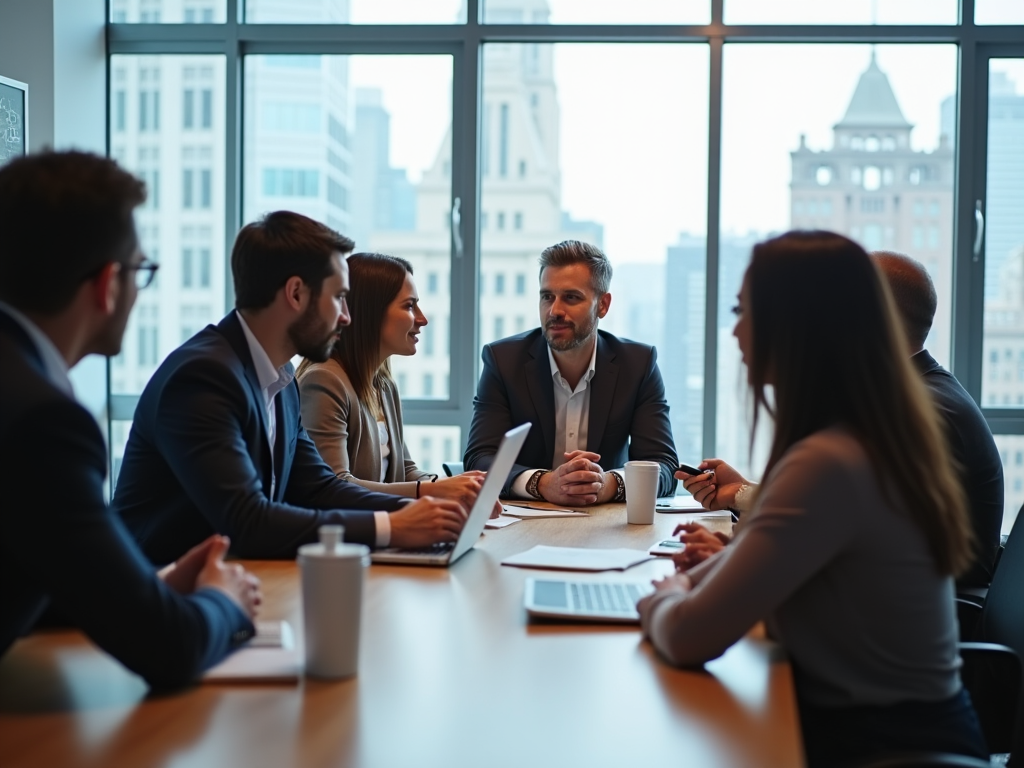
578, 482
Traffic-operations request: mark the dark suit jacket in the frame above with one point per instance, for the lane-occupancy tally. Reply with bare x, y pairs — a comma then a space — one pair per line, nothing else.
61, 545
972, 446
198, 461
628, 411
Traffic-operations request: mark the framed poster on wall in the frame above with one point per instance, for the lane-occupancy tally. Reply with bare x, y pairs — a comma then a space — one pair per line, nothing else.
13, 119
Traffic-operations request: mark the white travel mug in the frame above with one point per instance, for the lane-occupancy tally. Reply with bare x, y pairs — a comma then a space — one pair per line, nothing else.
332, 600
641, 491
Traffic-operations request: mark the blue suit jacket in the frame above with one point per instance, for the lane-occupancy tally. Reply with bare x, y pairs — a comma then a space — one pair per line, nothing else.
628, 411
61, 545
198, 461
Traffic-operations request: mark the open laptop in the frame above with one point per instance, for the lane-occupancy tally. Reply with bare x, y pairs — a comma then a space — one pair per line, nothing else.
604, 601
447, 553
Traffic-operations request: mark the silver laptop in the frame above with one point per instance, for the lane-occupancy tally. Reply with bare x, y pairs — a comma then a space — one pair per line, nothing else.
603, 601
448, 552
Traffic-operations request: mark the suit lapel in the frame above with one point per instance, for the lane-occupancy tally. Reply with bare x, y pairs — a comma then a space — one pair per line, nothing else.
287, 427
602, 393
232, 331
542, 391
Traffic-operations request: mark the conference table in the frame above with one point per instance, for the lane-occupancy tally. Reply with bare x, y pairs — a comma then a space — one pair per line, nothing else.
452, 673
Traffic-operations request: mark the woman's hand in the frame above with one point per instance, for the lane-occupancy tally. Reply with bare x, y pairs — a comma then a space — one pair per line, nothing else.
700, 545
717, 490
462, 488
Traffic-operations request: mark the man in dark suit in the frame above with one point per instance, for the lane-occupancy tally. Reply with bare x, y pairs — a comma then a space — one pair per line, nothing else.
592, 397
217, 444
70, 269
969, 436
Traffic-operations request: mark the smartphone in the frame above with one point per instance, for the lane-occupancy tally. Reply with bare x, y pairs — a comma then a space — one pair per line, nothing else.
694, 471
667, 548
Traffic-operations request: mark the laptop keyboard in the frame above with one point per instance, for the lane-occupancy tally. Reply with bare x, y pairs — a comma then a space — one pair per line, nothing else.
587, 597
441, 548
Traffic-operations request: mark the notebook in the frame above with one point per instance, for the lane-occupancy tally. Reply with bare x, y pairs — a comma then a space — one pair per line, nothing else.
602, 601
447, 553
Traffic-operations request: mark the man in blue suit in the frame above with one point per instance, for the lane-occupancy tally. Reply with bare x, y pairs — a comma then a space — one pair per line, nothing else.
70, 269
592, 396
217, 445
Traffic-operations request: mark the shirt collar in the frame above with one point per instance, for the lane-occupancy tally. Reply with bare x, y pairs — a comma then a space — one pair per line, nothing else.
590, 370
54, 364
272, 380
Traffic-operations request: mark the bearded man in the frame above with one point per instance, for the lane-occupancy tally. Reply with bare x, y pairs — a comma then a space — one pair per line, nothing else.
217, 444
595, 400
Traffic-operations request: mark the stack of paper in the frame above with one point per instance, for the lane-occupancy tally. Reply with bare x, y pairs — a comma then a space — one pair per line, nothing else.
577, 559
270, 657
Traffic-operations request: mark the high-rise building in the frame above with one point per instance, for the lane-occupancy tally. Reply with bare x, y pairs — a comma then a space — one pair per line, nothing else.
875, 187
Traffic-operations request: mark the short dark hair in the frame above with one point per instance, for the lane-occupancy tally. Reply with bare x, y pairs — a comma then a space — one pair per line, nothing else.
278, 247
576, 252
63, 217
914, 292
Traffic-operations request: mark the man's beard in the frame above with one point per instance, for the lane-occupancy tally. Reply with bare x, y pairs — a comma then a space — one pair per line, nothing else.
309, 338
580, 334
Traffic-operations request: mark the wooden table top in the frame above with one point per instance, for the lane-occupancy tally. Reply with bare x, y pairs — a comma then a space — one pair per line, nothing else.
452, 673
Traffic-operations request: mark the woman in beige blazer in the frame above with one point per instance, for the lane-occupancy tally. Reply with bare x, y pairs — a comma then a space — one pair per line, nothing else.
350, 404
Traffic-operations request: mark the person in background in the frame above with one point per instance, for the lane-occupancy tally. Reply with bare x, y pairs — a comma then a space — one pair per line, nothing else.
591, 397
975, 455
217, 444
70, 270
350, 403
849, 549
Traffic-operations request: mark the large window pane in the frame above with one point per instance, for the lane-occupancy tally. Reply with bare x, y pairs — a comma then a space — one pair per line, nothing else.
1003, 357
355, 11
998, 12
363, 144
168, 11
431, 446
854, 139
595, 12
584, 142
1011, 448
167, 127
849, 12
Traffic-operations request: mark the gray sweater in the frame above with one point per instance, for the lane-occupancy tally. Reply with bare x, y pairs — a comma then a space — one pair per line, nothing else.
844, 580
345, 431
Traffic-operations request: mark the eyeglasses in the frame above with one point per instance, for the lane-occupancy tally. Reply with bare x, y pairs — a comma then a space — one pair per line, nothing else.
145, 272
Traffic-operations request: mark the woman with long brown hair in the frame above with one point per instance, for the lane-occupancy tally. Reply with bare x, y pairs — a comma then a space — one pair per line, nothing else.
350, 404
850, 547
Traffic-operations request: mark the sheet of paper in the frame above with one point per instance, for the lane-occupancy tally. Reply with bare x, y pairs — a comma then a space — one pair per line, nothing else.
515, 510
270, 657
577, 558
681, 503
502, 521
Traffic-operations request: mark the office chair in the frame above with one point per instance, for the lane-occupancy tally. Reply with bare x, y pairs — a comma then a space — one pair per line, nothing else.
992, 670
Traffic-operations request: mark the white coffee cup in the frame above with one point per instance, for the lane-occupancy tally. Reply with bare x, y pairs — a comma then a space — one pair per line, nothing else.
641, 491
332, 599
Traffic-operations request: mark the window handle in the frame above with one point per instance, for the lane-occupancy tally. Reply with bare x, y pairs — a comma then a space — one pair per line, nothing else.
457, 226
979, 227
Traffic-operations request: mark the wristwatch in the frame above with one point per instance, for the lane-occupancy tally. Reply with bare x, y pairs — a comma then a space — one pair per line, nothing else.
534, 481
620, 489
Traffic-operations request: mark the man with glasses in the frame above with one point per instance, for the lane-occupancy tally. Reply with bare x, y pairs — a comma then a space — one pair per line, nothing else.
70, 269
217, 445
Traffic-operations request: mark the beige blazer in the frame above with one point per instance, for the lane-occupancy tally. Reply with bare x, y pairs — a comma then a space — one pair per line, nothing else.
345, 431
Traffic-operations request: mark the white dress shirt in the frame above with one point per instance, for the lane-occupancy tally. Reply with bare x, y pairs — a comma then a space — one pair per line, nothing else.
54, 364
572, 418
272, 380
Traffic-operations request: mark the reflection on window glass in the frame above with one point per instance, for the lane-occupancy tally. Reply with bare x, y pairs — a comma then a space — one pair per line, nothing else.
595, 12
636, 188
167, 127
168, 11
885, 134
355, 11
362, 144
998, 12
848, 12
1011, 449
1002, 380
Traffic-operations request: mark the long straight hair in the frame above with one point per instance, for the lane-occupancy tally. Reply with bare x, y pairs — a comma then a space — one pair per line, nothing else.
826, 336
374, 281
